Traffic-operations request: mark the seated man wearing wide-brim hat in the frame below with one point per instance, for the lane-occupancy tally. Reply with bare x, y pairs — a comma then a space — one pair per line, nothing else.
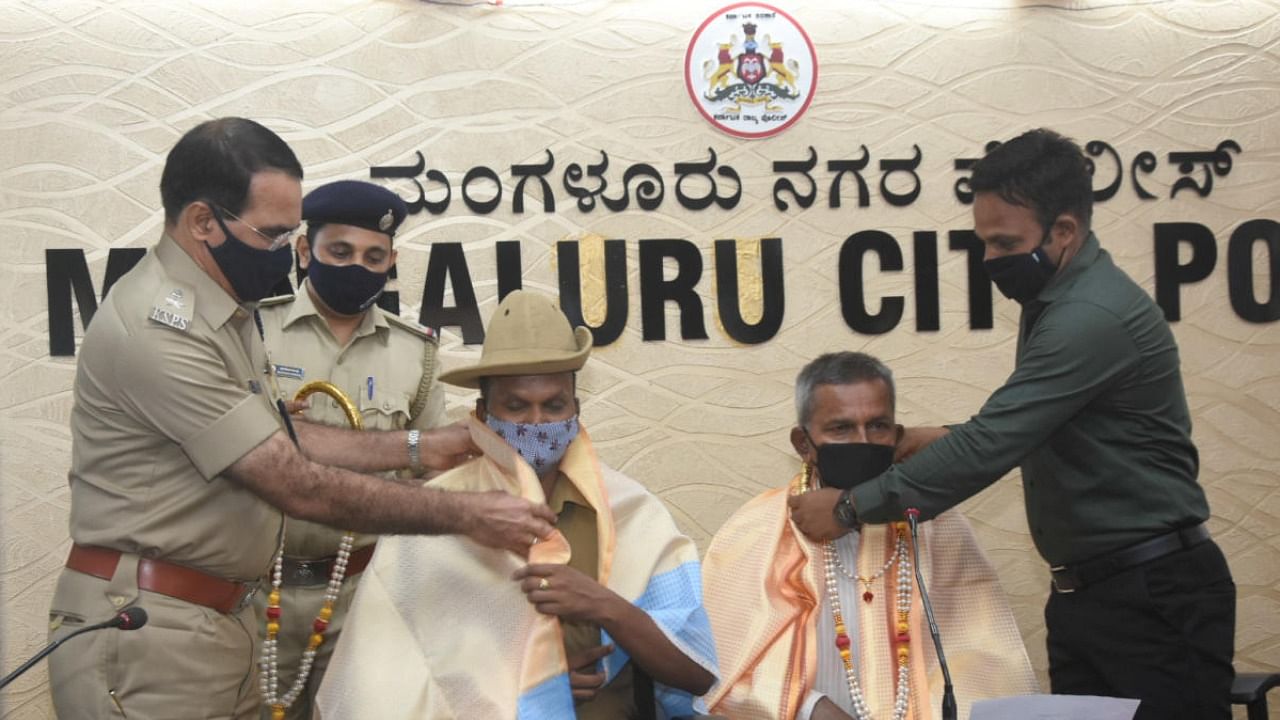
447, 628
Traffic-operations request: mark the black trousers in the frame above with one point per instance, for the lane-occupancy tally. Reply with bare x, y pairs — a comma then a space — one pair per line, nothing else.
1163, 632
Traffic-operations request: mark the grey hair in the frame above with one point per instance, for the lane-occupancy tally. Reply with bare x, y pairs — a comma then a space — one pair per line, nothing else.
839, 368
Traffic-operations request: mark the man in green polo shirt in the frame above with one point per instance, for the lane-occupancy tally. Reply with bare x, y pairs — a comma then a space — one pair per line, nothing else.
1142, 603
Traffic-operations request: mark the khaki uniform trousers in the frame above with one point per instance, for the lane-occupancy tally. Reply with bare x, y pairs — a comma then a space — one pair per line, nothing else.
299, 605
188, 662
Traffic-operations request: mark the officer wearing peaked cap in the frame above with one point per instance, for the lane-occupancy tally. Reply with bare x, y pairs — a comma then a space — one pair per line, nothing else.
333, 330
181, 466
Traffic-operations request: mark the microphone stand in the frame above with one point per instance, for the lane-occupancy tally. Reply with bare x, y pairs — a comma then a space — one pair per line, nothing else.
949, 710
113, 622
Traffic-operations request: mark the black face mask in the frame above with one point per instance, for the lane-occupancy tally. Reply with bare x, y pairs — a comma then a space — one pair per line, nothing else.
253, 273
346, 289
844, 465
1021, 277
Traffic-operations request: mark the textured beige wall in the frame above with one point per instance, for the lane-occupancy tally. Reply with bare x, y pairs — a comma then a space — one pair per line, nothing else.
95, 92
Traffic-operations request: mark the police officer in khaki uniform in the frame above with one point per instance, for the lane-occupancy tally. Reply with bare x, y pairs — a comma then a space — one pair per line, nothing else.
331, 330
178, 453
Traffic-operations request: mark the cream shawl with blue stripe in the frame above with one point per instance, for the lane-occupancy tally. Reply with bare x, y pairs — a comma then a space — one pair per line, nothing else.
439, 630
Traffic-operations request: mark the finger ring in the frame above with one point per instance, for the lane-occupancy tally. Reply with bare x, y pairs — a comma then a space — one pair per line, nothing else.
544, 584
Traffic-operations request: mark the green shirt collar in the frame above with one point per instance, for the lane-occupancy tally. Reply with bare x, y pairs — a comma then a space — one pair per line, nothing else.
1088, 254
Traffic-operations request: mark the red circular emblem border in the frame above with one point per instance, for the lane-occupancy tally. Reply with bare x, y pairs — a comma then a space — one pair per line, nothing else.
693, 96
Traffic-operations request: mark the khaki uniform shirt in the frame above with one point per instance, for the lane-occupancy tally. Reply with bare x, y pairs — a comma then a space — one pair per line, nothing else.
169, 392
388, 369
577, 522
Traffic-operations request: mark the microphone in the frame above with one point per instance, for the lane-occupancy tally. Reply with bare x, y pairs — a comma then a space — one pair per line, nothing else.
949, 710
128, 619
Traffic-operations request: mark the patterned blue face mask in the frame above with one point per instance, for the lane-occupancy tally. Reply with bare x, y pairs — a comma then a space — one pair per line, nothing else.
542, 445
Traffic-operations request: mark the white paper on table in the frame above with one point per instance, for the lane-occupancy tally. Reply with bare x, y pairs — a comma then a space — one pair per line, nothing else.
1054, 707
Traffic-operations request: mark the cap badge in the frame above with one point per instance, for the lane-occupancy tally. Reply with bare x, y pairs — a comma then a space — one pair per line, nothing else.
387, 221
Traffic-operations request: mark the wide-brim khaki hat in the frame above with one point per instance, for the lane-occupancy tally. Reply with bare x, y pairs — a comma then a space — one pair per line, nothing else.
527, 335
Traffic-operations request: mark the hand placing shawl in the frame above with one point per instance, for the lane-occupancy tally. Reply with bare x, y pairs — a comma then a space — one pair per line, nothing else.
439, 629
762, 579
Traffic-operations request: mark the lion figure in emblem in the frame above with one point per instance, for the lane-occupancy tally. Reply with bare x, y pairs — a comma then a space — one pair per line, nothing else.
784, 70
719, 72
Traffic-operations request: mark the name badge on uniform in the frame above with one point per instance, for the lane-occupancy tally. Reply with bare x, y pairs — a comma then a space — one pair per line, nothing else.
288, 371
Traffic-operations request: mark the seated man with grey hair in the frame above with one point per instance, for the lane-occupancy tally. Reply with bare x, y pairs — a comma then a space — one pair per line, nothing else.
831, 631
604, 619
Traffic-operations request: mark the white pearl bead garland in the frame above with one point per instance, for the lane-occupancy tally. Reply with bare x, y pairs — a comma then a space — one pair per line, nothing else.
831, 560
903, 606
268, 665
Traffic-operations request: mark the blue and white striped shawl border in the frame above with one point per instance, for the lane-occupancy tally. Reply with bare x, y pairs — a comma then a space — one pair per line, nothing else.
674, 600
551, 700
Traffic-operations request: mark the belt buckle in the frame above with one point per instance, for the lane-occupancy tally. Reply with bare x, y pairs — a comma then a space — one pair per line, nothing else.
302, 573
1054, 580
248, 596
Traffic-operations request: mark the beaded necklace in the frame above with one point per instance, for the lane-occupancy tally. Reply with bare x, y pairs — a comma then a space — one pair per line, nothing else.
902, 638
867, 595
268, 665
269, 662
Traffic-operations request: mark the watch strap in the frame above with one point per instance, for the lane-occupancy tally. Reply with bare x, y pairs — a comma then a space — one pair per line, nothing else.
414, 443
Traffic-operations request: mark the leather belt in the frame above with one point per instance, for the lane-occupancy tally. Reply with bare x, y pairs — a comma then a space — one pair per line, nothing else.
1069, 578
166, 578
295, 572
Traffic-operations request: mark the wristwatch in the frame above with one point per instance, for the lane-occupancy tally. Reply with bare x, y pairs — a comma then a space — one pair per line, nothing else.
846, 515
415, 451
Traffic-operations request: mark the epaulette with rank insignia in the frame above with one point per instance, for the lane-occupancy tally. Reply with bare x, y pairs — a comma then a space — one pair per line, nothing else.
416, 328
277, 300
173, 307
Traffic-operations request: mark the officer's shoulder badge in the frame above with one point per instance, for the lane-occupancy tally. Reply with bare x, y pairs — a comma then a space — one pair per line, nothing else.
277, 300
421, 331
174, 306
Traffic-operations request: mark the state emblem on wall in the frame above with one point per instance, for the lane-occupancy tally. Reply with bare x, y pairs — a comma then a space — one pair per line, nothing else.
751, 70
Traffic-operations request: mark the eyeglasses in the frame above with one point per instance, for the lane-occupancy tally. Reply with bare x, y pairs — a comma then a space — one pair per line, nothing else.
275, 242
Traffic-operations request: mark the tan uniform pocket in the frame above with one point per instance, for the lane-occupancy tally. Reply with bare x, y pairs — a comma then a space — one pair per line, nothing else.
386, 411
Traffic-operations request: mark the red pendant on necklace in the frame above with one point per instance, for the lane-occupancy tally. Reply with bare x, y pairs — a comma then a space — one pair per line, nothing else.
868, 596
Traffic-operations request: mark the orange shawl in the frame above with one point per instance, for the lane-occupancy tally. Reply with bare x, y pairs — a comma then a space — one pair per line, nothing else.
761, 580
